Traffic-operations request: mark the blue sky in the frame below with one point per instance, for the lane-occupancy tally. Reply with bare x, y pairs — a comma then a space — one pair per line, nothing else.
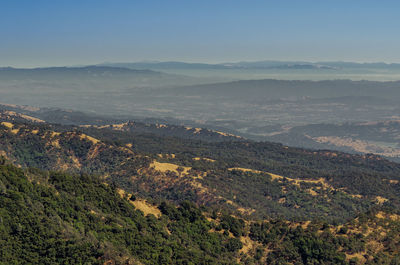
72, 32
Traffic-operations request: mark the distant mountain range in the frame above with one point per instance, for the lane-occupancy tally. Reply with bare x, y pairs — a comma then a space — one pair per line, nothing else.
153, 67
68, 72
254, 65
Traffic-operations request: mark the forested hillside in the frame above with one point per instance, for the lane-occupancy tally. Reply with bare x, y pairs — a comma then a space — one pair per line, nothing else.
251, 178
56, 218
201, 202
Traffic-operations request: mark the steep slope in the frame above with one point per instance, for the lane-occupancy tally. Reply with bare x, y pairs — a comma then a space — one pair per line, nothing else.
245, 177
57, 218
54, 218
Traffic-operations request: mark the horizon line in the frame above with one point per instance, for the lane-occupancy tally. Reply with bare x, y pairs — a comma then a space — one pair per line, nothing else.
197, 62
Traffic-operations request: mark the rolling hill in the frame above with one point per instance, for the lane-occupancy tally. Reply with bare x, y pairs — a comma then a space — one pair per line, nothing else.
121, 194
105, 194
250, 178
57, 218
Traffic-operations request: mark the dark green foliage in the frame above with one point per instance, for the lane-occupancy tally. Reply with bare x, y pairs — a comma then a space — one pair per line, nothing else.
73, 218
233, 225
295, 245
78, 220
355, 174
57, 218
347, 174
234, 244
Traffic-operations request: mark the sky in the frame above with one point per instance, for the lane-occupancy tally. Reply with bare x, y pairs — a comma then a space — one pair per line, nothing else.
78, 32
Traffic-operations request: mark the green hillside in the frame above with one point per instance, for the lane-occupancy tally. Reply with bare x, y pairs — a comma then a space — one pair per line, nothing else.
56, 218
105, 195
250, 178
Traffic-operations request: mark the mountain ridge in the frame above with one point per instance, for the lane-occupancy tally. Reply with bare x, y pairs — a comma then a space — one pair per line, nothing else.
266, 64
107, 193
182, 169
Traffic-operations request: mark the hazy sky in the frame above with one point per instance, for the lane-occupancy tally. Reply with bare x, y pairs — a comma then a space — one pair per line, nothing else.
71, 32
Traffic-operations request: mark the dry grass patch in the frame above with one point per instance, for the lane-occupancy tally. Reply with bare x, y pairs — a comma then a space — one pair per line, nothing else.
227, 134
140, 204
196, 130
161, 126
380, 215
9, 125
293, 181
394, 217
305, 224
26, 117
248, 244
282, 200
203, 158
199, 186
146, 207
380, 200
89, 138
119, 127
56, 143
164, 167
383, 215
245, 170
358, 196
246, 211
167, 156
30, 118
312, 192
54, 134
359, 256
242, 210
